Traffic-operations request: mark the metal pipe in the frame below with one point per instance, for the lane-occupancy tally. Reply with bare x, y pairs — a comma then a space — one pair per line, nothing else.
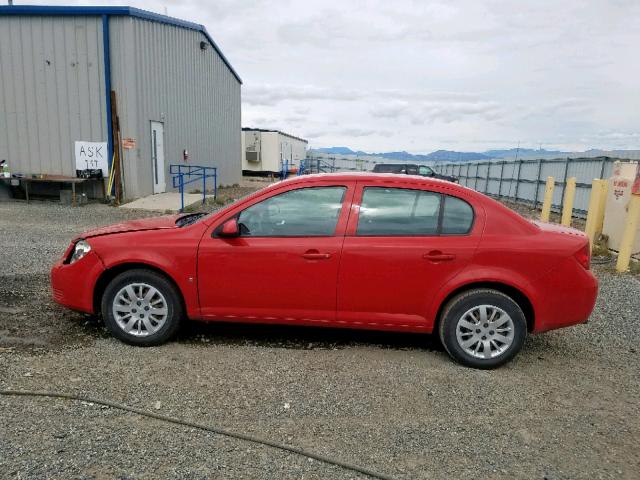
518, 180
535, 199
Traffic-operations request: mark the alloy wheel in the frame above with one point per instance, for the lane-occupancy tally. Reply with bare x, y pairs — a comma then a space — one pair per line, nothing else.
485, 331
140, 309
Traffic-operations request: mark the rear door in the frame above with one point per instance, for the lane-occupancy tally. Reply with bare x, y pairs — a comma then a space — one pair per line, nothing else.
403, 243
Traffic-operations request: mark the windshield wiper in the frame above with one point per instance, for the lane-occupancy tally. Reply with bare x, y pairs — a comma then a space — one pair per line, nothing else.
189, 219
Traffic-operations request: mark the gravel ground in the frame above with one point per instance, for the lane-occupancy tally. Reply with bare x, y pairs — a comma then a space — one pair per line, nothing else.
568, 407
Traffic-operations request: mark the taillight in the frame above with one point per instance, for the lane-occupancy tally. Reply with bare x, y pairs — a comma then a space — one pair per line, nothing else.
584, 256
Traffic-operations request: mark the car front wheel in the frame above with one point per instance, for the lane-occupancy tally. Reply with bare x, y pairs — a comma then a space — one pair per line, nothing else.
483, 328
141, 307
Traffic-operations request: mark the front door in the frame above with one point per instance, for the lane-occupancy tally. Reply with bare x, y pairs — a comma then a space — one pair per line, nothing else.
401, 248
283, 267
157, 157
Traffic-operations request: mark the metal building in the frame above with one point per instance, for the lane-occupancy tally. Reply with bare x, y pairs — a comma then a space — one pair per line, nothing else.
177, 96
270, 151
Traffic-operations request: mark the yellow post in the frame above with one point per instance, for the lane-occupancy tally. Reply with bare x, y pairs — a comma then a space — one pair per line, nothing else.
604, 187
629, 235
569, 195
595, 213
548, 197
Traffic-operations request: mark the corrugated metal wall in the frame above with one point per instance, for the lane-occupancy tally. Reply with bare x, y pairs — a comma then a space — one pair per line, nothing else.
160, 74
51, 91
524, 180
343, 163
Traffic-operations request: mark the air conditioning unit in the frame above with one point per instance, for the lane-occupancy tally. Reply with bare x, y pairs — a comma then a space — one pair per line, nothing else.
252, 142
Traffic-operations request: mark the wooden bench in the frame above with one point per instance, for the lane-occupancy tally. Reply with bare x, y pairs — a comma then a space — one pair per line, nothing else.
62, 180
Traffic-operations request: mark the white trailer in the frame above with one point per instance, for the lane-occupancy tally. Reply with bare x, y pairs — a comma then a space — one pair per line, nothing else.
269, 150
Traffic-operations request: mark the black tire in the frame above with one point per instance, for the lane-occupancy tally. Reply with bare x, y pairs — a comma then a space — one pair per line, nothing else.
466, 301
171, 296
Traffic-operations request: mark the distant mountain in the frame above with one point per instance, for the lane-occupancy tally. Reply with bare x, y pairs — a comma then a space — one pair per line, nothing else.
340, 151
403, 156
451, 156
443, 155
512, 152
437, 156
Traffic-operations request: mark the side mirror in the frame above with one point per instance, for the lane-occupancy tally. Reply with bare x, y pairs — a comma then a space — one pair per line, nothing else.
230, 228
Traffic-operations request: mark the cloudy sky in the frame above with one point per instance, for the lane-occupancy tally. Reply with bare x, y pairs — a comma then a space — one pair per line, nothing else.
425, 75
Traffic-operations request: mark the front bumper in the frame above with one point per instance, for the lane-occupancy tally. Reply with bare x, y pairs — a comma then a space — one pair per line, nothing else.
72, 285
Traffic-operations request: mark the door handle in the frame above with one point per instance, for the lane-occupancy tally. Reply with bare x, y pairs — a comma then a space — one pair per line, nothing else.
438, 256
315, 255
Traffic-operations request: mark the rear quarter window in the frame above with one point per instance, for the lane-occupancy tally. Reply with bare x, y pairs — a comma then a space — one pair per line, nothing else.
457, 216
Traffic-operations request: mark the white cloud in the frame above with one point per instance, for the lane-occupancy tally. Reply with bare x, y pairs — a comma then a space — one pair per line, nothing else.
420, 75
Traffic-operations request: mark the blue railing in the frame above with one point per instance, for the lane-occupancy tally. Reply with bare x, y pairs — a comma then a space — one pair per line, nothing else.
182, 176
284, 171
302, 167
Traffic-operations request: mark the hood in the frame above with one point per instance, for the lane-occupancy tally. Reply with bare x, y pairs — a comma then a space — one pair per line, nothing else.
154, 223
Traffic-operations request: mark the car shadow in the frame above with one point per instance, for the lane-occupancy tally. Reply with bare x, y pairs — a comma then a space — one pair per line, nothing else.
303, 338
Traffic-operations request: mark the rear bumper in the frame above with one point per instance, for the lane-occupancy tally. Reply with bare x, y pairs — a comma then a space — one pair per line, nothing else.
72, 284
568, 295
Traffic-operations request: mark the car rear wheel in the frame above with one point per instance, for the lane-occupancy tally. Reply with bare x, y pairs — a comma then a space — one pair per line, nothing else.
483, 328
141, 307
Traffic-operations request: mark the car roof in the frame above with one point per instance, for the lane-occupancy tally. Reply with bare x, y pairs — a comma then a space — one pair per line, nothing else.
374, 176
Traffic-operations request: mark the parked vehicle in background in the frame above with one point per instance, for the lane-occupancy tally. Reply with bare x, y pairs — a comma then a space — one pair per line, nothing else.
367, 251
412, 169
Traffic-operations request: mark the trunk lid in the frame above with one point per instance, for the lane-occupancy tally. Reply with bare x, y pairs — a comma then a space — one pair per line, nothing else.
559, 229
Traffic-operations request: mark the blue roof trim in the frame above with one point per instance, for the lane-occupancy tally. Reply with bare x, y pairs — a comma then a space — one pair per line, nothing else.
115, 11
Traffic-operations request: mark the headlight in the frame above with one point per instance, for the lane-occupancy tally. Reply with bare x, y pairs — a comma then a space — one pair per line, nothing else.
80, 250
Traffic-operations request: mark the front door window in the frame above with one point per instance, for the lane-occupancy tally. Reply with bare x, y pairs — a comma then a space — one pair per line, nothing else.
306, 212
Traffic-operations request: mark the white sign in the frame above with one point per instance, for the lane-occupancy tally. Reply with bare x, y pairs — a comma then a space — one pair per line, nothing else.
93, 155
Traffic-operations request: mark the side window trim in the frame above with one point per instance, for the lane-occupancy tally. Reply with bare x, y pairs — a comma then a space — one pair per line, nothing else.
443, 199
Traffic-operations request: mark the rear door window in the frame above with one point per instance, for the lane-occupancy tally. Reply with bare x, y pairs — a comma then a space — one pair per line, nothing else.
398, 211
407, 212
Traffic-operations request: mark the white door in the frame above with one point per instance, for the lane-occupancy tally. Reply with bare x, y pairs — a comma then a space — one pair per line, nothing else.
157, 156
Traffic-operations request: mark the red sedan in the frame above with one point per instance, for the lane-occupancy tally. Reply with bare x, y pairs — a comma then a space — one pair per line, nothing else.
371, 251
